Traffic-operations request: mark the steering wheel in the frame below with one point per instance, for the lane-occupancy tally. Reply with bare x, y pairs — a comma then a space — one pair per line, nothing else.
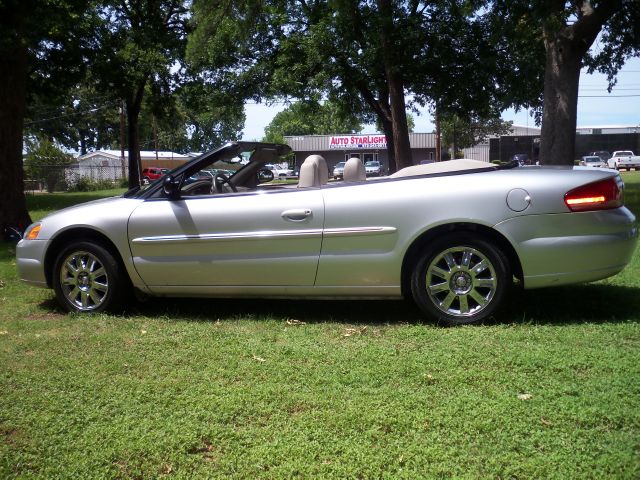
199, 187
219, 182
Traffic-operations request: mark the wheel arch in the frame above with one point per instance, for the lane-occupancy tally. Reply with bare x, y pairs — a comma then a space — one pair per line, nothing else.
417, 246
77, 234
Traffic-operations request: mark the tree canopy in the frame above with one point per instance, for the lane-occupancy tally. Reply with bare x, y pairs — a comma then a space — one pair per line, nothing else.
311, 118
42, 46
465, 132
557, 40
366, 56
136, 45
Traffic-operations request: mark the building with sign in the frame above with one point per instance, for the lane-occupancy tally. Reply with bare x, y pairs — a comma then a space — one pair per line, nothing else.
368, 148
339, 148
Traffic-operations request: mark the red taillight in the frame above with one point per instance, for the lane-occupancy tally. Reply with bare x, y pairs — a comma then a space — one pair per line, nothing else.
595, 196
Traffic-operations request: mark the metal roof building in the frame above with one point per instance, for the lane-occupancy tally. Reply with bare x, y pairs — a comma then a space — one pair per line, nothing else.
367, 147
371, 147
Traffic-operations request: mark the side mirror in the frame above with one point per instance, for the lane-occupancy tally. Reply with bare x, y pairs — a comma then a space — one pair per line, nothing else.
265, 175
171, 187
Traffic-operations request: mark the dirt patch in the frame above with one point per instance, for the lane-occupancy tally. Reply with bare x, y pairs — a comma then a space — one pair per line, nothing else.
45, 316
11, 436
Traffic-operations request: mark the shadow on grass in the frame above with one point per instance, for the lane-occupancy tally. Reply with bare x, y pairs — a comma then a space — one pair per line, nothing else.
553, 306
370, 312
575, 304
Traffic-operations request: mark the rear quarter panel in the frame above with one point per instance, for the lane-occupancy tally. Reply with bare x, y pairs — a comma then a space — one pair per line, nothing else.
403, 210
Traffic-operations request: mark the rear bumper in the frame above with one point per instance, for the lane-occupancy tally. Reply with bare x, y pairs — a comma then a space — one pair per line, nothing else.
561, 249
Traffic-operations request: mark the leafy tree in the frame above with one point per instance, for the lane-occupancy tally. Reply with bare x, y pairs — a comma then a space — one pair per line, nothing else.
212, 117
560, 36
189, 119
41, 51
46, 161
311, 118
137, 44
464, 132
365, 55
79, 119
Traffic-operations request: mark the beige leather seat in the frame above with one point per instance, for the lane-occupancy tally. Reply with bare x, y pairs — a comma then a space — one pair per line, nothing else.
354, 170
313, 172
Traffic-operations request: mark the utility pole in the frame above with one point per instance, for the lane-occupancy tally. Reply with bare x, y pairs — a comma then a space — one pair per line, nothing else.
438, 146
122, 160
155, 136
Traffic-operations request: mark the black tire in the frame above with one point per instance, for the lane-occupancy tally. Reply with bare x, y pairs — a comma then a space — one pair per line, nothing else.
461, 280
87, 278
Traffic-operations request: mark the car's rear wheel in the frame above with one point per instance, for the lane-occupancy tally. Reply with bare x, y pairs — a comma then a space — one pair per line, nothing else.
461, 280
87, 278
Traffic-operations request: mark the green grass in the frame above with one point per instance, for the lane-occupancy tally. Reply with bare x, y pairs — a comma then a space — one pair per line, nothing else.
41, 204
300, 389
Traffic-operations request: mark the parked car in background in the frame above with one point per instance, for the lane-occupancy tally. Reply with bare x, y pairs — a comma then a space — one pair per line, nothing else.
373, 168
338, 171
201, 175
280, 172
151, 174
624, 160
522, 159
451, 235
592, 161
603, 154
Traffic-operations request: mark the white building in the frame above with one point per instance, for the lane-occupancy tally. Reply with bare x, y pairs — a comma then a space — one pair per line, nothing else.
109, 165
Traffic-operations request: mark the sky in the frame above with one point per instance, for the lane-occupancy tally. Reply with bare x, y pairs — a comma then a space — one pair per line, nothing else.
596, 107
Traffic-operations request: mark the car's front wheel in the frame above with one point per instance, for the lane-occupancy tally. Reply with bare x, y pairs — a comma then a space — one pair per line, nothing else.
88, 278
461, 280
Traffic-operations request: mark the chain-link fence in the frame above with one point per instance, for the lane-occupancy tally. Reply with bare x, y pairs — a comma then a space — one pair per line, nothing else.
57, 178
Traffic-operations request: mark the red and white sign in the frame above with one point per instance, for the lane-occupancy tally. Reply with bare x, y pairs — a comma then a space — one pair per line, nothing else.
349, 142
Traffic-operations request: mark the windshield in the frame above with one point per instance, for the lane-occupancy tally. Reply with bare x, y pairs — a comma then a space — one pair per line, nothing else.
227, 166
340, 165
372, 164
233, 166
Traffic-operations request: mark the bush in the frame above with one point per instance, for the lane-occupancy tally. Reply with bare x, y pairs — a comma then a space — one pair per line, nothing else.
84, 184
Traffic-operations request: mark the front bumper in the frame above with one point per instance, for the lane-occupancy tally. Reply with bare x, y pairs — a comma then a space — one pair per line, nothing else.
30, 262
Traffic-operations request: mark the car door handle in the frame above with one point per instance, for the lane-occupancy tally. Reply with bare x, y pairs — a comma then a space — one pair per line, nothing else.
296, 215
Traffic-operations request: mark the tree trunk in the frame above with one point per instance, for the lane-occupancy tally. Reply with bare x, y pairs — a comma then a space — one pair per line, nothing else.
133, 113
565, 48
401, 145
382, 110
561, 80
387, 129
83, 134
13, 204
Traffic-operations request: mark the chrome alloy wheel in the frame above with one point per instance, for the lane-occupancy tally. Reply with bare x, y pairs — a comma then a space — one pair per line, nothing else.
84, 281
461, 281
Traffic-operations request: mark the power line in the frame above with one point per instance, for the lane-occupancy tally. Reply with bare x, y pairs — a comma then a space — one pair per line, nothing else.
607, 96
72, 114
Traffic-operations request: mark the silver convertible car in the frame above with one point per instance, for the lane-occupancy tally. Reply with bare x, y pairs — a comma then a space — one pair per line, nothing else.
453, 236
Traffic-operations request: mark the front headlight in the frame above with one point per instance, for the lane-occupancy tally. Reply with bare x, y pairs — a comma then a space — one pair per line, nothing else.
32, 232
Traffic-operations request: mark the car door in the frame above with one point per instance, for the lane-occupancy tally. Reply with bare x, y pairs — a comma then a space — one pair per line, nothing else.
258, 239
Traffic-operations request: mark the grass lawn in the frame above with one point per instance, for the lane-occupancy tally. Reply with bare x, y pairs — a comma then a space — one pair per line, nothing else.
301, 389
